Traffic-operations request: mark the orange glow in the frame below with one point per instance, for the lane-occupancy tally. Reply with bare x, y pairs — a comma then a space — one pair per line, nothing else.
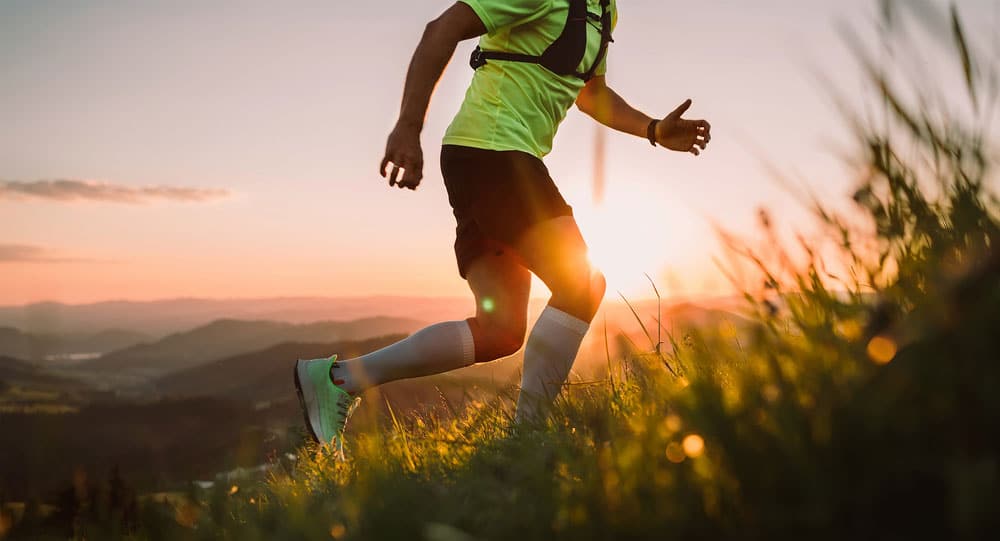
694, 446
620, 248
882, 350
675, 453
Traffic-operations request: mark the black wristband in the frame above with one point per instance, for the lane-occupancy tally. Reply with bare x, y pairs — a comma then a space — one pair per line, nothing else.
651, 131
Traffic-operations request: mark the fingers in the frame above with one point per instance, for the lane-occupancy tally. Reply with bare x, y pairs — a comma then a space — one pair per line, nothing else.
694, 150
703, 133
411, 178
402, 175
681, 109
704, 129
406, 169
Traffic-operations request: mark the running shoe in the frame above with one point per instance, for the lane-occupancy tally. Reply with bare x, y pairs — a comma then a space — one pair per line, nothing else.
325, 406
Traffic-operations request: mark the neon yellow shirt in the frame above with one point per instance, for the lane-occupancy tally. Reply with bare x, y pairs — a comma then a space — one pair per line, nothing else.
516, 105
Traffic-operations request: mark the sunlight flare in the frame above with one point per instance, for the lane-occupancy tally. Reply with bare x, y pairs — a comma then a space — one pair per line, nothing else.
693, 445
882, 350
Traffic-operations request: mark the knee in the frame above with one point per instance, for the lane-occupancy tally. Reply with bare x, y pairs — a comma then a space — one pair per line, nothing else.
598, 287
496, 340
580, 293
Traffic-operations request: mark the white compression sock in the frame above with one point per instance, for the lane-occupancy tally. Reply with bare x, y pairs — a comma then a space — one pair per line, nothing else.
435, 349
548, 357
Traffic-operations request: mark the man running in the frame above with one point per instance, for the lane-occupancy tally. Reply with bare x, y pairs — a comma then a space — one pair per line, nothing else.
535, 59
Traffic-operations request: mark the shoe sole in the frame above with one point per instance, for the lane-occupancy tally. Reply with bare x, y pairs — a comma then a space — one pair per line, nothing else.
304, 400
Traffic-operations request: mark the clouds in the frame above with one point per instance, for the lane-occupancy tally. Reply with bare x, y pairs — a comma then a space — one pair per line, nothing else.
27, 253
69, 190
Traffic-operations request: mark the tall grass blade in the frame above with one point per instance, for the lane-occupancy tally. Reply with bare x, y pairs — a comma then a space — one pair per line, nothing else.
963, 49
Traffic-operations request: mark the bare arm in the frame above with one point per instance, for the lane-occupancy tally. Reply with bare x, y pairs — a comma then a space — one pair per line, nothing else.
604, 105
435, 49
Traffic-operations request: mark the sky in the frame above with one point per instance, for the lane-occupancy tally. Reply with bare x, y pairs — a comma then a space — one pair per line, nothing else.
225, 149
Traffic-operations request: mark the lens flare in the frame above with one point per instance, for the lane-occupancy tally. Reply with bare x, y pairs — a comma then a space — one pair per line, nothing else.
882, 350
675, 453
694, 446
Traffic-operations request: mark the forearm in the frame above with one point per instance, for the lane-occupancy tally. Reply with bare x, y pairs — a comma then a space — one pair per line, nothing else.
435, 49
605, 106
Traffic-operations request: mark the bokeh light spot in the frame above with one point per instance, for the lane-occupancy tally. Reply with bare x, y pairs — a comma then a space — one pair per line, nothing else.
337, 531
675, 453
694, 446
488, 305
882, 350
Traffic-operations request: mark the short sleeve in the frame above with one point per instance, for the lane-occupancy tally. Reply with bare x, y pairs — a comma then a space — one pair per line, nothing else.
499, 14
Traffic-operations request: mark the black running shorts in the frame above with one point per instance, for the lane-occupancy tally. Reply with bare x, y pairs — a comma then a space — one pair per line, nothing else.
497, 196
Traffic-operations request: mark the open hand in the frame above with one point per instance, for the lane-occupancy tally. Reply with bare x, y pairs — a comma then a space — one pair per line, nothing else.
403, 152
683, 135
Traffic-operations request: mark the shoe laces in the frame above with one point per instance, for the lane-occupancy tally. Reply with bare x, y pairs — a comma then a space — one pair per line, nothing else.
346, 405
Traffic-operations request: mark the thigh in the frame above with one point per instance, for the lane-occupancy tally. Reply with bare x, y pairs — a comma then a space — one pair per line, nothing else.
555, 251
501, 285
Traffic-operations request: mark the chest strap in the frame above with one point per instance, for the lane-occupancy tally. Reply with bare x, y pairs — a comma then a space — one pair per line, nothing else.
567, 51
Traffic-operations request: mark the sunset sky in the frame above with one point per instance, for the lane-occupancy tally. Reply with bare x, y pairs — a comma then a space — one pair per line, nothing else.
237, 144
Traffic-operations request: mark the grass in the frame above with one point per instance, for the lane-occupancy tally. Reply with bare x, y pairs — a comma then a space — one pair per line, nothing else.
861, 402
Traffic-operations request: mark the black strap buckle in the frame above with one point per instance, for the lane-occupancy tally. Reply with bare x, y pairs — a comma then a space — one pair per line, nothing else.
477, 60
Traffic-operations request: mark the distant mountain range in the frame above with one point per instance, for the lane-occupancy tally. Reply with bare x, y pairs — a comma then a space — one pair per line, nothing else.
160, 318
228, 337
15, 372
259, 376
151, 339
39, 347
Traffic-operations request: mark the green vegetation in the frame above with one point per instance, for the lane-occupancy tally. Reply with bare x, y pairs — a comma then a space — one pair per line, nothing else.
860, 402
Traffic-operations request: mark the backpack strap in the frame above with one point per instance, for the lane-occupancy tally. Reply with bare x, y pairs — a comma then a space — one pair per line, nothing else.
606, 40
566, 47
479, 57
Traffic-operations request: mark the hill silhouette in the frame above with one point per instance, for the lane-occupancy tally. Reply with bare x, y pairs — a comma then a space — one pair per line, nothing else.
40, 347
162, 317
260, 376
15, 372
227, 337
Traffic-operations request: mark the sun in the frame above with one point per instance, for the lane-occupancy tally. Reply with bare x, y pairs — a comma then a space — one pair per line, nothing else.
629, 237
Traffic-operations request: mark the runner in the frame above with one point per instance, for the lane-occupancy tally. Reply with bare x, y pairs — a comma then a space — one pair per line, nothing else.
535, 59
